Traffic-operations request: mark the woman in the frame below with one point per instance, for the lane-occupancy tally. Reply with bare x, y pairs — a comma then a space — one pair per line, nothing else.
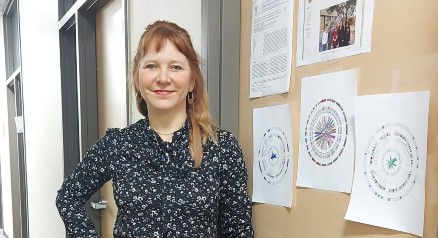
341, 34
335, 36
347, 34
325, 39
174, 173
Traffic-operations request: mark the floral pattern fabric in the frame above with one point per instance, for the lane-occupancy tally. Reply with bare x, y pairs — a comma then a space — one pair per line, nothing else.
157, 190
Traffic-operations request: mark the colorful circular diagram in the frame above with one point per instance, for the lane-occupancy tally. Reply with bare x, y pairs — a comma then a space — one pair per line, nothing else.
391, 162
273, 156
326, 132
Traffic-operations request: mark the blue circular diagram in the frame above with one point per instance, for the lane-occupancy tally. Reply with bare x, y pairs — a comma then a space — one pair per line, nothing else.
273, 156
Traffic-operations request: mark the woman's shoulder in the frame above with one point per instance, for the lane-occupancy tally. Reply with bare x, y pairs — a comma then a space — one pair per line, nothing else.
231, 151
125, 133
223, 134
226, 139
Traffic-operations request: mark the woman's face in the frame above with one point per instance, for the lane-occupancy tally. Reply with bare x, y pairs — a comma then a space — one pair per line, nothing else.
164, 80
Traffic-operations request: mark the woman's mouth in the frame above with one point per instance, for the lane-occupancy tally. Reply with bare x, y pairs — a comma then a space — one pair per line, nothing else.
163, 92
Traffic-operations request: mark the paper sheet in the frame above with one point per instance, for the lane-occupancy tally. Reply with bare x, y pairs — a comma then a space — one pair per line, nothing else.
326, 146
271, 47
19, 125
331, 29
272, 167
391, 149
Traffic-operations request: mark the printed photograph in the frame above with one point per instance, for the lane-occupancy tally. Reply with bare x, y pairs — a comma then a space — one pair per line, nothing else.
337, 26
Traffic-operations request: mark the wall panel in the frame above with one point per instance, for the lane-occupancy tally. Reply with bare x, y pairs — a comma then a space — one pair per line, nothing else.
404, 58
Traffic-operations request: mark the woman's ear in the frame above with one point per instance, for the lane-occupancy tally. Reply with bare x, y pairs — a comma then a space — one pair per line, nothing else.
192, 85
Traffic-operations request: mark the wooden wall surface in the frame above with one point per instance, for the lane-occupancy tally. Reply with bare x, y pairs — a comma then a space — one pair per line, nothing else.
404, 58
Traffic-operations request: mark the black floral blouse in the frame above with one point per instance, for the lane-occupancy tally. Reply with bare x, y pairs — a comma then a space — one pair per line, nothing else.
157, 190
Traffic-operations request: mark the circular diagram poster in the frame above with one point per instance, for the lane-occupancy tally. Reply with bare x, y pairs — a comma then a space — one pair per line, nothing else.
390, 170
391, 162
272, 155
326, 148
326, 132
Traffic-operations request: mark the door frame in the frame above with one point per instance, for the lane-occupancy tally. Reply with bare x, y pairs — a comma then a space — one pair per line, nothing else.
15, 104
221, 48
77, 37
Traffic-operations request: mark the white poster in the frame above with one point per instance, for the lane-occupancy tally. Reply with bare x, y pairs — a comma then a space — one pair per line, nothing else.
391, 149
272, 167
331, 29
271, 47
326, 146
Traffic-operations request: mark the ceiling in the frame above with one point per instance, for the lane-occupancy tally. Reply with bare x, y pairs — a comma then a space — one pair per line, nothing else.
2, 4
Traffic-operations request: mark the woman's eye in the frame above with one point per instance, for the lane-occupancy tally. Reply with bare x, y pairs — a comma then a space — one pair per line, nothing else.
150, 66
175, 67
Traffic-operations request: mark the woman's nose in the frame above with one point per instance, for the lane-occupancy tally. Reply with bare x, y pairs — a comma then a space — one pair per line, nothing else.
163, 76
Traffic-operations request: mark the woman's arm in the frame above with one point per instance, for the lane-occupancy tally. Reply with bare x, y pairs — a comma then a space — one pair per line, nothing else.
85, 180
235, 206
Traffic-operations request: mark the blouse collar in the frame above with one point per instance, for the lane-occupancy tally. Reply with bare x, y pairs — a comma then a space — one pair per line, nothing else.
177, 150
180, 137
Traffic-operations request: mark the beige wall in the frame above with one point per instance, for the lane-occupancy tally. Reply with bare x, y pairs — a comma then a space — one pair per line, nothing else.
42, 112
404, 58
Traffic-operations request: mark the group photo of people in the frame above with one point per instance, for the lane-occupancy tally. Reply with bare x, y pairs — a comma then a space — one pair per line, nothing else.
337, 24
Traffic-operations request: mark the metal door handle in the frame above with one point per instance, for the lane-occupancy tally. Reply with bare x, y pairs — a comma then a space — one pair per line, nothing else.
98, 205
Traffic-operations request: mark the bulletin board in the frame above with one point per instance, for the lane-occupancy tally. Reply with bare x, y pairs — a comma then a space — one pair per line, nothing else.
403, 58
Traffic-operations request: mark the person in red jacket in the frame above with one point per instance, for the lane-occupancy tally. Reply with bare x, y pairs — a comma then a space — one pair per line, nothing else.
335, 36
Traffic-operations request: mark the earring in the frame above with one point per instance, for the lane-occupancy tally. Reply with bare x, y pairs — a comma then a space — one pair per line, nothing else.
190, 98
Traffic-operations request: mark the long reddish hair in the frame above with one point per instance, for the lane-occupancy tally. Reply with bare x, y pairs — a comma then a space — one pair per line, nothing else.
153, 39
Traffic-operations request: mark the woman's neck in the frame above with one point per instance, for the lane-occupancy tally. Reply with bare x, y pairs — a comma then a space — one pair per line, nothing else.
166, 124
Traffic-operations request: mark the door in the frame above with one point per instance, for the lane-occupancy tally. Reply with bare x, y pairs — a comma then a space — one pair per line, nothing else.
14, 92
111, 90
77, 36
17, 157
